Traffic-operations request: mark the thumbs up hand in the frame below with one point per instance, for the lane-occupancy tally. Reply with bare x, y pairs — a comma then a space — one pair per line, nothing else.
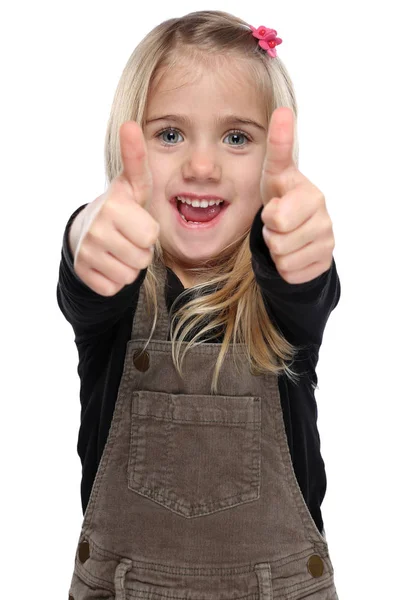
118, 233
297, 227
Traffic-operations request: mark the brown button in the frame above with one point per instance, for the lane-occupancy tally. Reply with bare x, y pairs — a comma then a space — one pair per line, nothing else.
315, 565
70, 597
141, 360
83, 551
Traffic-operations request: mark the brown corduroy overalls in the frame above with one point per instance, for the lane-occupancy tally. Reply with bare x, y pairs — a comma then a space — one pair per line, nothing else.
195, 496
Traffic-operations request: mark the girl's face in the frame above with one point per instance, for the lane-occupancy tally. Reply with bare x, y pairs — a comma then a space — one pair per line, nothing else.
198, 143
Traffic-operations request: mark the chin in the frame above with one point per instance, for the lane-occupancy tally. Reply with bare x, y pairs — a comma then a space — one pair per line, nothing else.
193, 256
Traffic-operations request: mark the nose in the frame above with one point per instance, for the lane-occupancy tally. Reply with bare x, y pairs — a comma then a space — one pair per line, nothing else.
201, 164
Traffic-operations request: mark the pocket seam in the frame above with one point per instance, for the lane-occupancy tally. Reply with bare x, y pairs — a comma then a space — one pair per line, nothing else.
252, 440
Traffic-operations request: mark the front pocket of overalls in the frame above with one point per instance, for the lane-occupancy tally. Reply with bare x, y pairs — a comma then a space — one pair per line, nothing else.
195, 455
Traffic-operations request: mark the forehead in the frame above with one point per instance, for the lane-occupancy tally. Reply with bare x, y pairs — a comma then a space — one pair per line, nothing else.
219, 84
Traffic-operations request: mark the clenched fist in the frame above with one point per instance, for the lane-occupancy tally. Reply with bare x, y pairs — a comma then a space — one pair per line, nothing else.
117, 234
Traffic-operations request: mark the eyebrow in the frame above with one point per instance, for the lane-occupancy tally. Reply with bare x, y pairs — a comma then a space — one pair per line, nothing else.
229, 119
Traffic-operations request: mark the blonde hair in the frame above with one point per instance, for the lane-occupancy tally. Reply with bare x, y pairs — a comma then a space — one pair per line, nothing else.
226, 298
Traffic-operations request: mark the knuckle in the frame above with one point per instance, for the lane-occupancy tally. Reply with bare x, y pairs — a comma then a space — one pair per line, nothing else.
284, 264
330, 244
94, 234
130, 276
280, 222
85, 252
100, 285
105, 286
275, 245
151, 233
125, 275
328, 237
143, 260
111, 289
147, 239
118, 275
287, 276
80, 269
126, 272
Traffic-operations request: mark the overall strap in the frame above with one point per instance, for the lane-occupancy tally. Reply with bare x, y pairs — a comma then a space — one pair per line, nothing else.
144, 315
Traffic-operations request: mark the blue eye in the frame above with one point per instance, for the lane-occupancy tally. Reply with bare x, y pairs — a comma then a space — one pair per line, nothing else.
170, 132
238, 134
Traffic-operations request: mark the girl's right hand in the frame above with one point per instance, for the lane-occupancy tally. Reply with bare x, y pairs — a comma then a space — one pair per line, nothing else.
117, 235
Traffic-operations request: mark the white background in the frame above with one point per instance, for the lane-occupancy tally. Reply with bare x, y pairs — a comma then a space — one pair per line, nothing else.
60, 64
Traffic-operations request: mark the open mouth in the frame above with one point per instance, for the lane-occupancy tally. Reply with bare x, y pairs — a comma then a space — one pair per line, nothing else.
199, 212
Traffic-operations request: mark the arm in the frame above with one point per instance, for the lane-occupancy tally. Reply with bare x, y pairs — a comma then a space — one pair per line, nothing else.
301, 311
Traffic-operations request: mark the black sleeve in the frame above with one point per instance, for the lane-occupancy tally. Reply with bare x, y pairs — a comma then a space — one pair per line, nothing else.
301, 310
89, 313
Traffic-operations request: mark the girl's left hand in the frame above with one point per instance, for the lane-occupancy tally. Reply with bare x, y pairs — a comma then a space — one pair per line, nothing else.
298, 230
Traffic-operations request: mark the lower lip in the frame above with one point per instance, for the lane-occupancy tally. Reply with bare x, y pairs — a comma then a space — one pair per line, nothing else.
190, 225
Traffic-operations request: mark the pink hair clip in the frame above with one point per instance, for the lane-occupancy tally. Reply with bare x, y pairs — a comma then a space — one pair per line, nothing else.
267, 39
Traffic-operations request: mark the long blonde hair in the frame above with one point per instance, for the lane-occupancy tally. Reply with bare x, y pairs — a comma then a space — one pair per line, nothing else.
227, 299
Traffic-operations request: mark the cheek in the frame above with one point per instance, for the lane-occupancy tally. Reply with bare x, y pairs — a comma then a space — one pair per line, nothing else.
247, 173
250, 200
249, 187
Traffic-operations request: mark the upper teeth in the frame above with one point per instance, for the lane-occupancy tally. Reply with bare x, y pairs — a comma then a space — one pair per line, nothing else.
198, 203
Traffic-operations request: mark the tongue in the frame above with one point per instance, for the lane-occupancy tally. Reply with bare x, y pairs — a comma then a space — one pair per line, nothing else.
201, 215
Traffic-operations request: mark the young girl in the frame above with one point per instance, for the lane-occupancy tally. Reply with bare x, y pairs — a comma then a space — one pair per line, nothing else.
198, 287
